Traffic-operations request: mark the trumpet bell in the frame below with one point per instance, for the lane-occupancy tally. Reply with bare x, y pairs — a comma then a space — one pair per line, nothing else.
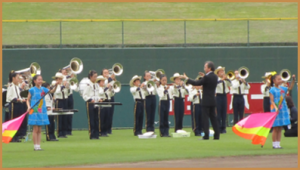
243, 72
117, 69
117, 86
150, 85
156, 74
230, 75
285, 74
75, 66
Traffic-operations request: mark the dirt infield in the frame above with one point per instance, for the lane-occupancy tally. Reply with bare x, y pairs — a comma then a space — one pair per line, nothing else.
265, 161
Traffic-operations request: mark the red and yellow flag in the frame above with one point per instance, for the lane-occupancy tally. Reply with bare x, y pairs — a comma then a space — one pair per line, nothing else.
255, 127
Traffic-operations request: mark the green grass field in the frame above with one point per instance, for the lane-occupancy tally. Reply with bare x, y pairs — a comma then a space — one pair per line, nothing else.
149, 32
122, 146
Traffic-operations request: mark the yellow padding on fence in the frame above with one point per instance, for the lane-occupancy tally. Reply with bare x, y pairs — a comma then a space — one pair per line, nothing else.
144, 20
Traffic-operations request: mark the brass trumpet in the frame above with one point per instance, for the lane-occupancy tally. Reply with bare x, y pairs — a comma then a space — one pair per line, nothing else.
230, 75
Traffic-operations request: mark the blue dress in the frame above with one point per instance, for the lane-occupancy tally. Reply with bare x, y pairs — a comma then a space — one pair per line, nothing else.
283, 118
39, 116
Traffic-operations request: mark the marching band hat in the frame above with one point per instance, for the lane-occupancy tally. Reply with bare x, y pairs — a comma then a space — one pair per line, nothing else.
100, 78
175, 76
58, 75
136, 77
219, 68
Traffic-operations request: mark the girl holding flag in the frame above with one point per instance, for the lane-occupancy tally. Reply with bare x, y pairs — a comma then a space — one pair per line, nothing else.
37, 109
278, 104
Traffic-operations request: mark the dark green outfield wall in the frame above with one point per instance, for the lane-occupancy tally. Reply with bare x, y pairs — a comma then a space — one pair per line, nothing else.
137, 60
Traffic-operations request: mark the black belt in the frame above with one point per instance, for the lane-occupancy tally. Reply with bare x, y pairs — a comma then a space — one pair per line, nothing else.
238, 94
178, 97
139, 100
60, 99
221, 94
150, 95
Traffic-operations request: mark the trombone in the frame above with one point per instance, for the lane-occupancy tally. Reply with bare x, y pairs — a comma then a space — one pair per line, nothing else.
156, 74
117, 69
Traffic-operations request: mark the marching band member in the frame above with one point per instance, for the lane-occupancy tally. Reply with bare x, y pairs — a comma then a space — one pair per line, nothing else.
178, 92
50, 129
70, 104
13, 97
105, 74
265, 91
90, 96
61, 102
150, 104
164, 94
38, 117
104, 93
221, 98
195, 96
24, 86
238, 89
139, 97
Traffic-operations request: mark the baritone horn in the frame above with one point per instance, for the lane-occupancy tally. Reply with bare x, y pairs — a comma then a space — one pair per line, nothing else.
150, 85
285, 74
75, 66
117, 69
243, 72
156, 74
73, 83
230, 75
28, 73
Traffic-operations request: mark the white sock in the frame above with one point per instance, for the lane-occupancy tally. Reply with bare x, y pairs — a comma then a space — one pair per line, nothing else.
278, 144
38, 146
274, 144
35, 146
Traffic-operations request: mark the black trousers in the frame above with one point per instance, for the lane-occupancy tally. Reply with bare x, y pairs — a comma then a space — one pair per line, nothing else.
267, 104
209, 112
110, 116
221, 110
70, 117
178, 112
62, 121
7, 114
150, 104
104, 120
293, 132
197, 119
50, 129
16, 109
164, 106
23, 127
238, 108
93, 120
138, 117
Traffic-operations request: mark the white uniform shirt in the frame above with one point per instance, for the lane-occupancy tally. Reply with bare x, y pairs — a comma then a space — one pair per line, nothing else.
104, 93
49, 101
175, 91
193, 96
163, 94
137, 93
13, 93
265, 90
69, 90
61, 92
236, 85
221, 84
112, 92
146, 92
91, 92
